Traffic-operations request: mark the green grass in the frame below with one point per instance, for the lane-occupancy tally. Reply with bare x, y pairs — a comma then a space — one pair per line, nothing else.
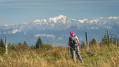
58, 56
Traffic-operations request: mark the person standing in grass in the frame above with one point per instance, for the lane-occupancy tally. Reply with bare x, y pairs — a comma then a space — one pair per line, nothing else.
74, 47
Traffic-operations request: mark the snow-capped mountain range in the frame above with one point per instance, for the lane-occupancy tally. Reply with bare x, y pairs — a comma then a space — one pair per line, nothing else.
56, 30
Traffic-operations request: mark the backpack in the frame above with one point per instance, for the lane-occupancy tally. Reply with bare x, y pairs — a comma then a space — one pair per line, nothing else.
73, 42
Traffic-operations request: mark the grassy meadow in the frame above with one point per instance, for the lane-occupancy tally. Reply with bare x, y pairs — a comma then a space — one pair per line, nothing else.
59, 56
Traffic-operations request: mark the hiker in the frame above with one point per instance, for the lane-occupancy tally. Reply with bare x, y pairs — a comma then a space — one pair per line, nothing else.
74, 47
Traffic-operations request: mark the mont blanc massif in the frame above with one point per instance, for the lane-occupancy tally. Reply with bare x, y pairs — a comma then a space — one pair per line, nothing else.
56, 30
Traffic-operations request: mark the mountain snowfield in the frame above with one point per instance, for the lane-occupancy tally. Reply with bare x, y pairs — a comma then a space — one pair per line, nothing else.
56, 30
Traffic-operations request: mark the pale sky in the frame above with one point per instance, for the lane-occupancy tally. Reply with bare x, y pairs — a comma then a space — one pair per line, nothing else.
25, 11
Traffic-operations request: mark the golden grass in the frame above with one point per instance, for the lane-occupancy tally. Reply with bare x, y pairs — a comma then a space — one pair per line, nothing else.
101, 56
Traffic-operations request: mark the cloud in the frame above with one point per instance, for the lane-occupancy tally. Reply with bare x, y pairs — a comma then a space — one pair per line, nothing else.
25, 23
60, 38
45, 4
15, 31
58, 5
100, 17
22, 3
45, 35
110, 18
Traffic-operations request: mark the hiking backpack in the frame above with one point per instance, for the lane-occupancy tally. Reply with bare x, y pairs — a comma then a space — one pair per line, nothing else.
73, 42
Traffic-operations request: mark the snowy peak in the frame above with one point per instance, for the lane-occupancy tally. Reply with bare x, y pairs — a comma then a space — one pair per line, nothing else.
63, 19
110, 18
40, 21
62, 22
82, 21
60, 18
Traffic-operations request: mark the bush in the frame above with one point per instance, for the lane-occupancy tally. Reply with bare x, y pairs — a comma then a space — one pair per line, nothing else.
93, 42
83, 45
32, 47
12, 47
22, 47
2, 51
47, 46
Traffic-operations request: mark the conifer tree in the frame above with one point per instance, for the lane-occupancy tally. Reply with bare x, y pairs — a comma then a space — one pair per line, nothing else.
2, 43
25, 43
39, 43
108, 38
105, 39
2, 46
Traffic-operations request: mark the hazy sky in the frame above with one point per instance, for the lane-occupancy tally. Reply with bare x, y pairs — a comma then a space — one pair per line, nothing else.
21, 11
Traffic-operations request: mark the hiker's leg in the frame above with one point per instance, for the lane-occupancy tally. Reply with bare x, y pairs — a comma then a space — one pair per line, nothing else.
73, 54
78, 55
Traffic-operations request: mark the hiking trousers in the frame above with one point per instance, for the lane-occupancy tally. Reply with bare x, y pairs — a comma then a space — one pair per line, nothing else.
73, 54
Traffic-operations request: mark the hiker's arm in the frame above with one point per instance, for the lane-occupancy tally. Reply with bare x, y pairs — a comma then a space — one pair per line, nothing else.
77, 40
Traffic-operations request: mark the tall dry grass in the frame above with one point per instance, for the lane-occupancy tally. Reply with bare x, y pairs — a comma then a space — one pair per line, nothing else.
97, 56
